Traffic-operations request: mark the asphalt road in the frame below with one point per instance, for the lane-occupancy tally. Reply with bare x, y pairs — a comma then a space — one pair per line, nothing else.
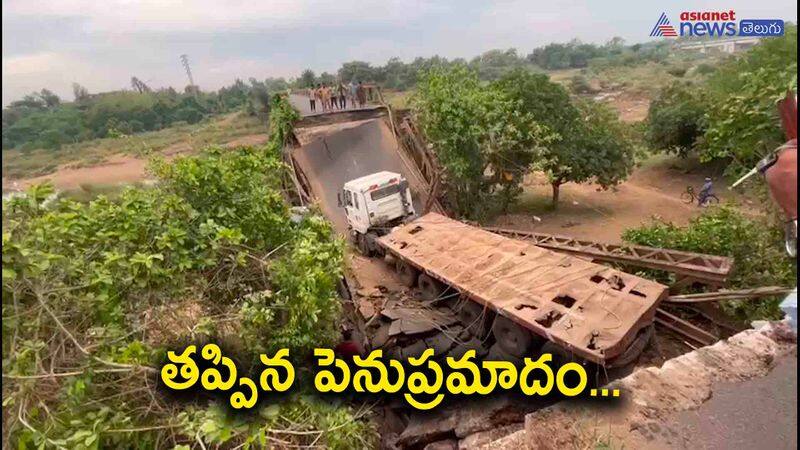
332, 160
757, 413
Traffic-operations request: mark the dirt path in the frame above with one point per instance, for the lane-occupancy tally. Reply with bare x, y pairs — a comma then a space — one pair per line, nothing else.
586, 211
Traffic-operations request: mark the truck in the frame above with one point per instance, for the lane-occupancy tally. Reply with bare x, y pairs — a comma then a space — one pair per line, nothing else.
373, 205
524, 299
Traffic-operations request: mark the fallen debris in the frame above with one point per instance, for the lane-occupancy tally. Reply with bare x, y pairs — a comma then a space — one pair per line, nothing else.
767, 291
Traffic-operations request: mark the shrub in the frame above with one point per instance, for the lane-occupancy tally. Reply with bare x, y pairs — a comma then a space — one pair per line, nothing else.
579, 84
756, 247
483, 139
743, 121
675, 119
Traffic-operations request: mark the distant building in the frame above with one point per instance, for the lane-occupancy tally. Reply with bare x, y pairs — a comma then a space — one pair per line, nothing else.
720, 45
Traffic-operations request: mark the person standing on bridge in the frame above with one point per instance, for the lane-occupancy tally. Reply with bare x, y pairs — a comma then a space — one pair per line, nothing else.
361, 94
318, 97
334, 97
312, 98
326, 97
352, 88
342, 91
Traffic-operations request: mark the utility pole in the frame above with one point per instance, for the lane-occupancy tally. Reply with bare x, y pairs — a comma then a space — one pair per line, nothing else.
185, 61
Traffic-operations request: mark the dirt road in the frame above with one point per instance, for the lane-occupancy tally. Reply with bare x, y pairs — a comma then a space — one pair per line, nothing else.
586, 211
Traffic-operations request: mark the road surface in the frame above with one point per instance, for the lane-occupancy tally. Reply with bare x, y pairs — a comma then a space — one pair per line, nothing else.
330, 161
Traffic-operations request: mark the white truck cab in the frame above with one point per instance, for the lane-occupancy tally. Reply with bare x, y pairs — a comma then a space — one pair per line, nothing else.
374, 204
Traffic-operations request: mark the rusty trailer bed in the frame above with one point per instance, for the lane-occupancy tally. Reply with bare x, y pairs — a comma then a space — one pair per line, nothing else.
591, 310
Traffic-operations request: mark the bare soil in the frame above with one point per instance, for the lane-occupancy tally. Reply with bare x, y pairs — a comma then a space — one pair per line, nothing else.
587, 211
118, 169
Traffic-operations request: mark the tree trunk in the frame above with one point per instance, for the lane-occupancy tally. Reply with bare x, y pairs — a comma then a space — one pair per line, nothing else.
556, 187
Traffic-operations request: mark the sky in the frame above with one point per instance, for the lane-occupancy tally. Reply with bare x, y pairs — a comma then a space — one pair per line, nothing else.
102, 44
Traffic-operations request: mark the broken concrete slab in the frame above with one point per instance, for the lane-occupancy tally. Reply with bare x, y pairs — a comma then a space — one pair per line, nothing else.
366, 308
463, 418
440, 343
447, 444
381, 336
476, 440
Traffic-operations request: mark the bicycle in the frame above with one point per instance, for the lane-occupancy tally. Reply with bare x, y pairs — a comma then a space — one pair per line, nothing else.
689, 197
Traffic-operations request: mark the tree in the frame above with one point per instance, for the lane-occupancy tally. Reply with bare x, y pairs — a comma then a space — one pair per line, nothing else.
79, 92
259, 99
307, 79
139, 85
357, 71
49, 99
743, 122
591, 142
492, 64
485, 143
675, 119
327, 78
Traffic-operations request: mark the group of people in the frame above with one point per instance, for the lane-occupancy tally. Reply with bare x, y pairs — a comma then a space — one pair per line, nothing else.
336, 96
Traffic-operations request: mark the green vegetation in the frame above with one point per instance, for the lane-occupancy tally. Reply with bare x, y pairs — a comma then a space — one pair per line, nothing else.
87, 286
732, 114
743, 121
481, 137
676, 119
756, 247
591, 142
41, 120
179, 137
494, 64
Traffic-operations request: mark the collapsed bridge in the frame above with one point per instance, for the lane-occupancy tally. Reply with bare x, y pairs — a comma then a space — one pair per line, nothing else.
362, 142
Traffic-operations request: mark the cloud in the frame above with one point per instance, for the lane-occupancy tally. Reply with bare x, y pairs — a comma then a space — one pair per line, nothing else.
126, 16
101, 44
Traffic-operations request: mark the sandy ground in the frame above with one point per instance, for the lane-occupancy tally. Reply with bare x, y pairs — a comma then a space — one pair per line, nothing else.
587, 211
118, 169
631, 107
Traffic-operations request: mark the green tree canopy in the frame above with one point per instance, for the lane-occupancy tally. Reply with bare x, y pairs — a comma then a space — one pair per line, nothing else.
675, 119
590, 141
481, 137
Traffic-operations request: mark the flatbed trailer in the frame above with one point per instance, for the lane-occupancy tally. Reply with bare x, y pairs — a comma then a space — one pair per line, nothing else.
589, 310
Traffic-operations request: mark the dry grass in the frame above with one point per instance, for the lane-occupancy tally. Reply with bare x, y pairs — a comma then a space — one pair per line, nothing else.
397, 99
218, 130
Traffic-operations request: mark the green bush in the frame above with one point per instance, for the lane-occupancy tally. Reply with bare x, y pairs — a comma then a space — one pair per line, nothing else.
743, 121
579, 84
676, 118
485, 142
83, 282
757, 249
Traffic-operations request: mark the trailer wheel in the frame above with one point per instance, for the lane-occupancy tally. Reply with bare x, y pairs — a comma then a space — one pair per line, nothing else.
473, 317
512, 338
633, 351
406, 273
560, 355
363, 245
429, 288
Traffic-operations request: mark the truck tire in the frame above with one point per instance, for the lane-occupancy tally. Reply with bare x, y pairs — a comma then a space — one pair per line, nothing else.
512, 338
473, 317
560, 355
363, 245
406, 273
430, 289
636, 348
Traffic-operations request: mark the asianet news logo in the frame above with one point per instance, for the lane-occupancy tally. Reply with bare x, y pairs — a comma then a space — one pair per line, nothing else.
716, 24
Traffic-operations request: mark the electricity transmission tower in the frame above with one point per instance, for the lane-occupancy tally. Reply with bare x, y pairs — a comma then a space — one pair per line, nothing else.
185, 61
